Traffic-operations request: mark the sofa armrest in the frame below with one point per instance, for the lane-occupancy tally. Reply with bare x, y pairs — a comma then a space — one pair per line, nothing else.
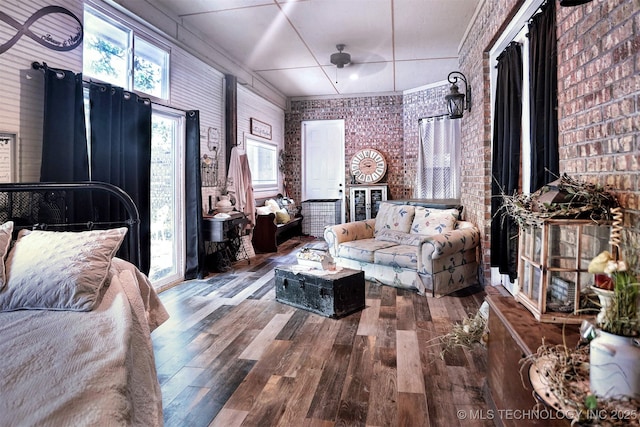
355, 230
466, 236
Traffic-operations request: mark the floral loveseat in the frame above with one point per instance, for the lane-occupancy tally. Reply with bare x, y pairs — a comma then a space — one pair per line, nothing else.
407, 246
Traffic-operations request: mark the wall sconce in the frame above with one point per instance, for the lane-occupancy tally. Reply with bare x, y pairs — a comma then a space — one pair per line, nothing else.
455, 100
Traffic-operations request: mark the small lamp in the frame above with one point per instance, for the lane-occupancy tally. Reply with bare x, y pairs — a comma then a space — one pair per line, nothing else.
456, 100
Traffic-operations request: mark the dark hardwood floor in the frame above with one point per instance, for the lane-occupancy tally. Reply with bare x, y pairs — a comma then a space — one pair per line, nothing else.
231, 355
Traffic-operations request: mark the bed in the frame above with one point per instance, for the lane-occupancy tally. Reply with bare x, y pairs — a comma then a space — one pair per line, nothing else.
76, 313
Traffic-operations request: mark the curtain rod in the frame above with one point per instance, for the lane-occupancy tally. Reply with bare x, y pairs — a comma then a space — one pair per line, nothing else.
38, 66
433, 117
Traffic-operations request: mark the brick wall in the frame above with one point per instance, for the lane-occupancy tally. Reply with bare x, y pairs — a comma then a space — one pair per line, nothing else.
599, 97
370, 122
476, 124
599, 103
599, 110
386, 123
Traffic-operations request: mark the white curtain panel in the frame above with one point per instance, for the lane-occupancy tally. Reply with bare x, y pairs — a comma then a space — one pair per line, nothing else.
438, 175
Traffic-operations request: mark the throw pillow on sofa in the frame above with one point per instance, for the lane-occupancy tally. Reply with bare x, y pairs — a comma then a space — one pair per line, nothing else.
394, 217
434, 221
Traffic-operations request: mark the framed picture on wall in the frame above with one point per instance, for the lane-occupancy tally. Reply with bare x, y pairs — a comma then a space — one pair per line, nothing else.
260, 129
7, 152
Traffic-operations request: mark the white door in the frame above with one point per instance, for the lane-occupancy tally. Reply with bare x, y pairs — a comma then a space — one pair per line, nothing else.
323, 160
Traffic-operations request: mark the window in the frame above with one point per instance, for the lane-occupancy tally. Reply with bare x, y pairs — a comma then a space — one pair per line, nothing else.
116, 54
167, 166
263, 162
107, 56
517, 32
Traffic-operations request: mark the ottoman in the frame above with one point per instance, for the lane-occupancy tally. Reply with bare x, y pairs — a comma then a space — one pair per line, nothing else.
331, 295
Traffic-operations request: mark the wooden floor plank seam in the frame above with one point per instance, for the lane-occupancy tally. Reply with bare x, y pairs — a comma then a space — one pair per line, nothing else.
231, 355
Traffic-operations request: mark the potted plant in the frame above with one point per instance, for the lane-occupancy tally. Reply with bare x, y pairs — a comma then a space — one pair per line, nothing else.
615, 351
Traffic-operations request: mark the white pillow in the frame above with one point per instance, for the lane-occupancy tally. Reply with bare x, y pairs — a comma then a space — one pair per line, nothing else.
6, 230
430, 221
273, 205
394, 217
59, 270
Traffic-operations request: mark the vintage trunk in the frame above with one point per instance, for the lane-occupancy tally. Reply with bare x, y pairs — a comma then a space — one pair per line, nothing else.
332, 295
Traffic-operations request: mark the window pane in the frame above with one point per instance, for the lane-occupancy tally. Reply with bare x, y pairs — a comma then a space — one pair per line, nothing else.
164, 247
263, 162
150, 69
105, 50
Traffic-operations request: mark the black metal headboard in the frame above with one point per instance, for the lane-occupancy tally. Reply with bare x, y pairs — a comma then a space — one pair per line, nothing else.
50, 206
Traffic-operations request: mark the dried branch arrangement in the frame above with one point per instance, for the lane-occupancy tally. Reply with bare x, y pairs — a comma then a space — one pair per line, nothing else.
565, 375
472, 330
563, 198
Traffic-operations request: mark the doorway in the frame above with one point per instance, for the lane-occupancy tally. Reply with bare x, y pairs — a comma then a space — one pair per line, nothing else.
323, 166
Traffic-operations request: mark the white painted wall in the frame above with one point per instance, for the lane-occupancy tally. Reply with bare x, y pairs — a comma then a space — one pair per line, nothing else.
22, 88
196, 83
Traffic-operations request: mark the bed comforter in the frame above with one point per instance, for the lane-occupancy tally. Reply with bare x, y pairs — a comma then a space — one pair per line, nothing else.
84, 368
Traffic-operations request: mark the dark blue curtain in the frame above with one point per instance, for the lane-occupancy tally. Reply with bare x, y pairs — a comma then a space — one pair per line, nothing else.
505, 162
543, 57
64, 141
194, 262
121, 154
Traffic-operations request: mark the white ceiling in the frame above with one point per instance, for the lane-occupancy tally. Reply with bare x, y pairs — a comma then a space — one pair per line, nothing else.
395, 45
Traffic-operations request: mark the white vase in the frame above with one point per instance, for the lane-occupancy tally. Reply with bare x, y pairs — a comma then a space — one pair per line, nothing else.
614, 366
605, 296
224, 204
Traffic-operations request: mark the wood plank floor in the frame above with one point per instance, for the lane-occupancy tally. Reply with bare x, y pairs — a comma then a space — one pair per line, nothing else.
231, 355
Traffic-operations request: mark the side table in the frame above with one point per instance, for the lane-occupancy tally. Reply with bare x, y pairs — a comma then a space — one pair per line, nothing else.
224, 235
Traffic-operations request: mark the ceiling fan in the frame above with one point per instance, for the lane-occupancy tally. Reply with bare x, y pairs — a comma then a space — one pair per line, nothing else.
340, 58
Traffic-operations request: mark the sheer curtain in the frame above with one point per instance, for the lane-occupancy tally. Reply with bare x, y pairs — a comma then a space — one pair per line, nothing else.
438, 175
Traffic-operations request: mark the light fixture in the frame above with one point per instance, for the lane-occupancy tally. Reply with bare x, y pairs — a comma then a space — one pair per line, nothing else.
568, 3
340, 58
455, 100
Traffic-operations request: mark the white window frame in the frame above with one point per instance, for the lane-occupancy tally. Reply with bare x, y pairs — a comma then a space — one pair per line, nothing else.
516, 31
179, 188
135, 34
272, 185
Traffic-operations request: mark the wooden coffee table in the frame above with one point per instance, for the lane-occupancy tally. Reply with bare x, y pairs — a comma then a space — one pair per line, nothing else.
332, 294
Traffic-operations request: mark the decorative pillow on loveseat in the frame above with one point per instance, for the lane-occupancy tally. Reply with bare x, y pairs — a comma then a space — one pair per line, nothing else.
429, 221
394, 217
